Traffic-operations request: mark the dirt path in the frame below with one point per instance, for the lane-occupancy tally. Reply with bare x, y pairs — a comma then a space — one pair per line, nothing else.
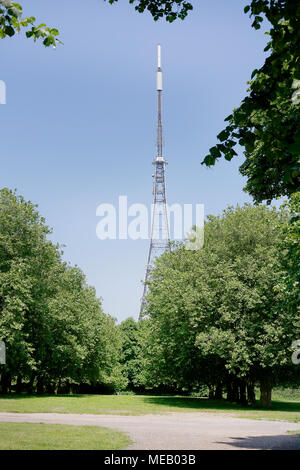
187, 431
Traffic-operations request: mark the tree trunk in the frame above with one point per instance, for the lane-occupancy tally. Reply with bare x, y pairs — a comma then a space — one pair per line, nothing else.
235, 391
31, 383
242, 394
229, 391
56, 387
19, 385
211, 392
266, 388
219, 392
5, 382
40, 385
250, 392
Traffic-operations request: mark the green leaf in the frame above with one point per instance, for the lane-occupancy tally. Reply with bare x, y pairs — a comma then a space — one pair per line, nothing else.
208, 160
223, 135
215, 152
228, 156
9, 30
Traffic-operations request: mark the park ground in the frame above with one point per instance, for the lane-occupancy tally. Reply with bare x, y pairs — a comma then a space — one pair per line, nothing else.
142, 421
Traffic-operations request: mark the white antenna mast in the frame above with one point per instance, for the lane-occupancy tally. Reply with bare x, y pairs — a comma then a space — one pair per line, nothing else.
160, 235
159, 71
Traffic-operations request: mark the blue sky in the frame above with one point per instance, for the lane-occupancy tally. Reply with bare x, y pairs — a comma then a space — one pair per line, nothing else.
79, 125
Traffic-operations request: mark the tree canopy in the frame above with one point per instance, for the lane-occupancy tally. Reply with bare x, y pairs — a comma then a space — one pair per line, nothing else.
132, 359
215, 314
51, 321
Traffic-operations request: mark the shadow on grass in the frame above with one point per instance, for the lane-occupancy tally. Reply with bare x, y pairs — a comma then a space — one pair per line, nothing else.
179, 402
206, 404
280, 442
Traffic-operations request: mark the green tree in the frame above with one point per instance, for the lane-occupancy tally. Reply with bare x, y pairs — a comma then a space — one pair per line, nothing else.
51, 321
289, 281
290, 254
212, 311
131, 359
15, 295
23, 250
81, 345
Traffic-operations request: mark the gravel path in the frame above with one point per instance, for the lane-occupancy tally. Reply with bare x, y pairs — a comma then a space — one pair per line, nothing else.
181, 431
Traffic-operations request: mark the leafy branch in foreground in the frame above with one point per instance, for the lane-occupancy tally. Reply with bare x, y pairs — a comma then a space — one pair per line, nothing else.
267, 123
170, 9
11, 21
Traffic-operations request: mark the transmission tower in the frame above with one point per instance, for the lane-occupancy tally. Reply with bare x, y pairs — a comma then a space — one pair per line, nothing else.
160, 235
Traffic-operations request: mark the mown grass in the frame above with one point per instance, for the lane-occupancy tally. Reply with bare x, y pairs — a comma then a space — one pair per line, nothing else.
285, 406
28, 436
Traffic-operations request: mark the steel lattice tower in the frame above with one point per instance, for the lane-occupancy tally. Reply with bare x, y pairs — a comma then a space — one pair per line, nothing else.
160, 235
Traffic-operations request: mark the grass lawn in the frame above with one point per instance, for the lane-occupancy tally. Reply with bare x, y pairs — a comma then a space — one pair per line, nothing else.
28, 436
285, 406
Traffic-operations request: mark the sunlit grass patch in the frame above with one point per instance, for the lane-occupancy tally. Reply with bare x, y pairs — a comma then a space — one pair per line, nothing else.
28, 436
